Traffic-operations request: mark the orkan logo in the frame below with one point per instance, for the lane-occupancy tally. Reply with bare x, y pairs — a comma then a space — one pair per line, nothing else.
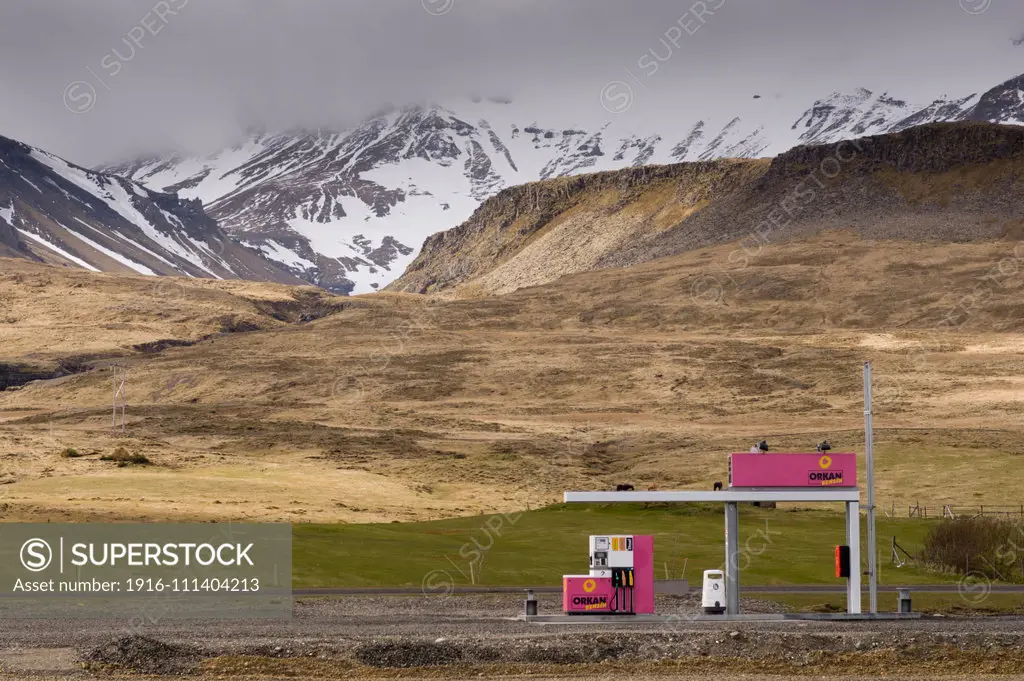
589, 586
825, 477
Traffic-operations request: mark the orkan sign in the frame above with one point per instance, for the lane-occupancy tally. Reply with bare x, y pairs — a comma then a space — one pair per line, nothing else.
793, 470
581, 593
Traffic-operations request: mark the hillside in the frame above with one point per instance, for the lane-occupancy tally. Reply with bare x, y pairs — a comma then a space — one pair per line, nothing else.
538, 232
952, 182
56, 321
401, 407
56, 212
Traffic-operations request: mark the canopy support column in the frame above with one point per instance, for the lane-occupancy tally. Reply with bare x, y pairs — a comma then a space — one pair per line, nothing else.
853, 541
732, 558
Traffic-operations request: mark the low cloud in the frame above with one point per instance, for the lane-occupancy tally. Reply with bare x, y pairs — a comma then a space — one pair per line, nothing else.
106, 79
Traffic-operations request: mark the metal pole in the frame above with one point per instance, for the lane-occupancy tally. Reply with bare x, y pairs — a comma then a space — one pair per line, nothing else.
869, 452
732, 558
853, 605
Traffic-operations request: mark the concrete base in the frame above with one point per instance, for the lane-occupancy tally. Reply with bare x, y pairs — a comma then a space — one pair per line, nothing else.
676, 620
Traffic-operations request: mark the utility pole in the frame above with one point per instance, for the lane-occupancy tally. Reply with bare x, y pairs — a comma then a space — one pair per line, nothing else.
869, 452
120, 398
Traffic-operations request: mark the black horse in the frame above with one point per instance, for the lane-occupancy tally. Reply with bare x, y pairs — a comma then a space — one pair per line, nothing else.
624, 488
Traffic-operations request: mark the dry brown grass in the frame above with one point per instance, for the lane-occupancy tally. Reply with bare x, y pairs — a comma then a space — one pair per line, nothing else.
577, 239
941, 187
407, 407
48, 313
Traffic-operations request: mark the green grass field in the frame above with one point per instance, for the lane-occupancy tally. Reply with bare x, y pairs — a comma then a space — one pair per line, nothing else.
779, 546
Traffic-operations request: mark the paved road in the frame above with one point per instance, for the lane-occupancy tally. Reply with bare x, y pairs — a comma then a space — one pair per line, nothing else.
747, 589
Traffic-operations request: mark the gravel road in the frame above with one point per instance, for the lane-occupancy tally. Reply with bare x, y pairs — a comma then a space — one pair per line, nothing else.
475, 636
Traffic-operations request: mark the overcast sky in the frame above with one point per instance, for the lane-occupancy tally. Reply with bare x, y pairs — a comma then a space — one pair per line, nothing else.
100, 80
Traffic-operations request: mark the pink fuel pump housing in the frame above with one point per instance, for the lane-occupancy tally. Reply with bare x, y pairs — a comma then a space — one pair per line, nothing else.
632, 557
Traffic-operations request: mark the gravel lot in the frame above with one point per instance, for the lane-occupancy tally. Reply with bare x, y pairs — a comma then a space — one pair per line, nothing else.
474, 637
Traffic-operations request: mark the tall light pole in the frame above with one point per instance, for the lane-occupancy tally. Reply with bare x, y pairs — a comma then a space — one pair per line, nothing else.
869, 452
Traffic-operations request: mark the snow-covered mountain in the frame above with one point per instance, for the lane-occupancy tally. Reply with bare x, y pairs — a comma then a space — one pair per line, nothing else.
348, 210
56, 212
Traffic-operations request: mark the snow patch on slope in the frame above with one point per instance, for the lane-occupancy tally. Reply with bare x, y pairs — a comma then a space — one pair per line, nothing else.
124, 260
31, 184
276, 251
59, 251
7, 214
130, 242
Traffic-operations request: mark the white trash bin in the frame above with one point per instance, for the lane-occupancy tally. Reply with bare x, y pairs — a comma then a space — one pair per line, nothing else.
714, 592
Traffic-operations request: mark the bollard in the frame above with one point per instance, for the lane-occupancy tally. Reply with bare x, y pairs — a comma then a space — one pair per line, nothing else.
904, 601
531, 603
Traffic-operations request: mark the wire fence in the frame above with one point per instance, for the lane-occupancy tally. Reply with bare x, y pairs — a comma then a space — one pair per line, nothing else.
954, 511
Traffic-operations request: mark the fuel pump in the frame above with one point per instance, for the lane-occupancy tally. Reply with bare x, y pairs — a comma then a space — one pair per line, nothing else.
620, 581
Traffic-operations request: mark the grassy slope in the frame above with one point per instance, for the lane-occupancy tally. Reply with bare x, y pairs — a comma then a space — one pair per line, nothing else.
538, 547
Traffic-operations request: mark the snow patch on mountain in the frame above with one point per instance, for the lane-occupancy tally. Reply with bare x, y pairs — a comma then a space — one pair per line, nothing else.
7, 214
276, 251
110, 253
56, 249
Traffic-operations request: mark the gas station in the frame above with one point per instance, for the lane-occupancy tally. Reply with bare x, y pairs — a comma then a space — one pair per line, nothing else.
621, 576
753, 478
